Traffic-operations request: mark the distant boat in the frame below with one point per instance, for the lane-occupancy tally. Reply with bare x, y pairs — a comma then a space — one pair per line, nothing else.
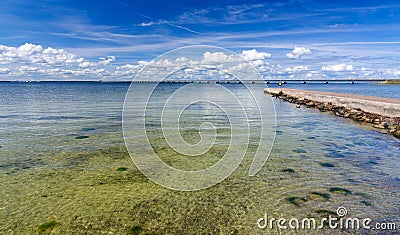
303, 82
326, 82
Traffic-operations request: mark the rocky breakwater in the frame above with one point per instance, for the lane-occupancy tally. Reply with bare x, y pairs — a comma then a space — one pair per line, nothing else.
382, 114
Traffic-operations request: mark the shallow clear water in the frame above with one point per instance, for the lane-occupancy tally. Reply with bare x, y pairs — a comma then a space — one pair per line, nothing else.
61, 146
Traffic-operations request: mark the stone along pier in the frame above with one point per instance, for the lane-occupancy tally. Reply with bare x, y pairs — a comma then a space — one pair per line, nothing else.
380, 113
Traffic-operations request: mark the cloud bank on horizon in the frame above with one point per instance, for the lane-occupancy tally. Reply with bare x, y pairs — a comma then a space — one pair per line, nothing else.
114, 40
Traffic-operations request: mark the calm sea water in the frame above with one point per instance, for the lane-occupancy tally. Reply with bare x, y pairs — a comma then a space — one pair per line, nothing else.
362, 88
40, 120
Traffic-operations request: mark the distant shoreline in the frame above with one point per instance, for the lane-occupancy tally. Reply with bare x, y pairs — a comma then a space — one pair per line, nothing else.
391, 82
267, 81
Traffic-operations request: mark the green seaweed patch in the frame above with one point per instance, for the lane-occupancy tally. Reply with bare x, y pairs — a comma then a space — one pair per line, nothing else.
81, 137
88, 129
288, 170
299, 151
319, 196
340, 190
365, 203
335, 155
325, 212
297, 201
135, 230
326, 164
122, 169
364, 195
46, 226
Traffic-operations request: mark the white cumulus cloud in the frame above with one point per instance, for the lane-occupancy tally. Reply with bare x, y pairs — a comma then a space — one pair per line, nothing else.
297, 68
36, 54
106, 60
217, 57
4, 70
338, 67
255, 55
51, 63
297, 52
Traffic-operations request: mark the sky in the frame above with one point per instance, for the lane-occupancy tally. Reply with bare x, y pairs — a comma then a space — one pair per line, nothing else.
115, 39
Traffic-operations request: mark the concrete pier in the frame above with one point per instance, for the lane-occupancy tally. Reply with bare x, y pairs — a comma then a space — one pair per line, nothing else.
381, 113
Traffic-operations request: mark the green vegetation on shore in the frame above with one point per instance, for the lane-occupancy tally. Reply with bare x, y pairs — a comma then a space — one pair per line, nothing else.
391, 81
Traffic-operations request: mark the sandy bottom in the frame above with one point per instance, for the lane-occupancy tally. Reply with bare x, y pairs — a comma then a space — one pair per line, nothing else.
101, 191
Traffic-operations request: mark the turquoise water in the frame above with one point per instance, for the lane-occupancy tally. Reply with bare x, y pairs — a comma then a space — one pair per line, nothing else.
61, 143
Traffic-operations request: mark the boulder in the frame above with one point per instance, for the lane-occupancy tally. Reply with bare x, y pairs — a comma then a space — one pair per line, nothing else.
310, 104
385, 124
353, 111
380, 126
396, 133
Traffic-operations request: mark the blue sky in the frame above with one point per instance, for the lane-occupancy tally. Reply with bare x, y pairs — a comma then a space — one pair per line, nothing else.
60, 39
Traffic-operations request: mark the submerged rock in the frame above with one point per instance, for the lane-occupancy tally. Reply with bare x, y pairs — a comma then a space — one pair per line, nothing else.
289, 170
81, 137
325, 212
326, 164
297, 201
334, 154
46, 226
135, 230
88, 129
365, 203
299, 151
121, 169
318, 196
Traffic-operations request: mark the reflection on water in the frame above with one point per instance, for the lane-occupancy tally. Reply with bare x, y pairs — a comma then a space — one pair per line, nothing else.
63, 159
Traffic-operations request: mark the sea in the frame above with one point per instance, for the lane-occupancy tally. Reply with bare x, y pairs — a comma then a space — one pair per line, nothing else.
63, 160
